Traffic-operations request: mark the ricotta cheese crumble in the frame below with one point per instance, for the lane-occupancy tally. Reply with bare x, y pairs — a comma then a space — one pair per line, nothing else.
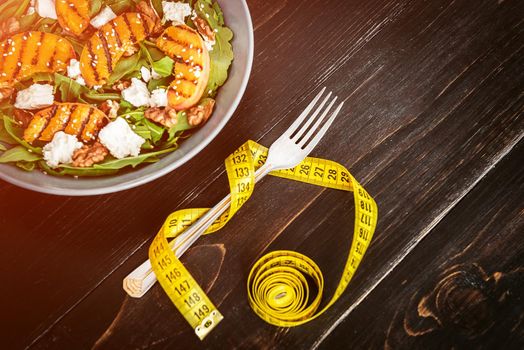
60, 150
35, 97
120, 140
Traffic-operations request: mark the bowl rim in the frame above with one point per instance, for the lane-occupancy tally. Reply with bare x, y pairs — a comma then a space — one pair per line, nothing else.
172, 166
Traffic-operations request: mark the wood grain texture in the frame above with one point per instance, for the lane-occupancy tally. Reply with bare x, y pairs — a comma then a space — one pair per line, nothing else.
463, 286
434, 101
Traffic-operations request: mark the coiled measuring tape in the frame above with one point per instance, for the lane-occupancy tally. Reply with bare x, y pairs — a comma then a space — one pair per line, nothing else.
277, 291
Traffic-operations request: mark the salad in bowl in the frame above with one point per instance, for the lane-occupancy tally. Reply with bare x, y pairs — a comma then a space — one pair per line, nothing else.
92, 87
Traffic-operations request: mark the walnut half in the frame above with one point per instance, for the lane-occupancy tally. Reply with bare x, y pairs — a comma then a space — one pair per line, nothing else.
164, 116
146, 9
23, 118
110, 108
204, 29
200, 113
89, 155
121, 85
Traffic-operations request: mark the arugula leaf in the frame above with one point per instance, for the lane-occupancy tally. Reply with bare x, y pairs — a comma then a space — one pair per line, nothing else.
7, 9
43, 77
164, 67
142, 131
157, 131
221, 57
18, 153
70, 90
27, 22
144, 51
22, 8
174, 133
94, 95
108, 167
16, 134
120, 6
5, 137
156, 83
155, 53
78, 46
124, 67
13, 8
222, 54
157, 6
27, 166
95, 7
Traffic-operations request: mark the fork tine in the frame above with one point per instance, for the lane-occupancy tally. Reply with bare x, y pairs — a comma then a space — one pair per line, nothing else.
314, 128
323, 130
304, 114
310, 119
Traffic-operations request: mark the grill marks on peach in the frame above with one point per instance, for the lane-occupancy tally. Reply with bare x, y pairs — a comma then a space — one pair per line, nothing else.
34, 61
107, 53
73, 118
106, 47
73, 15
27, 53
185, 46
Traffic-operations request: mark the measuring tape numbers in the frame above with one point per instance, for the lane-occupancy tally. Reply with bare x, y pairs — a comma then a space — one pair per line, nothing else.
277, 288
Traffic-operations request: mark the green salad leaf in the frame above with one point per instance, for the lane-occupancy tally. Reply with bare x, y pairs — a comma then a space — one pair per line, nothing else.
157, 131
125, 66
5, 136
27, 22
164, 66
94, 7
222, 54
96, 96
27, 166
154, 84
120, 6
108, 167
13, 8
16, 134
2, 147
18, 153
70, 90
153, 52
157, 6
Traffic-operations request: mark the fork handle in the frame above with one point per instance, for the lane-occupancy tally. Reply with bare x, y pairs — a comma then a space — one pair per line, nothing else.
140, 280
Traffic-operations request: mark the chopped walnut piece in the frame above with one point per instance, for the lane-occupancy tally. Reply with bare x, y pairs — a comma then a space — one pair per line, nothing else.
146, 9
8, 27
164, 116
6, 93
89, 155
121, 85
110, 108
23, 118
200, 113
204, 29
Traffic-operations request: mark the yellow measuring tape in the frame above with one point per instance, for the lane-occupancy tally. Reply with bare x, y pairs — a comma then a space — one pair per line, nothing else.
277, 289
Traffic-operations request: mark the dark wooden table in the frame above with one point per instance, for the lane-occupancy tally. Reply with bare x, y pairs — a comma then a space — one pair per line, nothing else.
432, 127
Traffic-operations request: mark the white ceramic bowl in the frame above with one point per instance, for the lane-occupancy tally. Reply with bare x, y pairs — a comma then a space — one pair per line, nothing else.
237, 17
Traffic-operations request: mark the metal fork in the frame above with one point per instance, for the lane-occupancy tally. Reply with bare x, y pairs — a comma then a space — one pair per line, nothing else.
286, 152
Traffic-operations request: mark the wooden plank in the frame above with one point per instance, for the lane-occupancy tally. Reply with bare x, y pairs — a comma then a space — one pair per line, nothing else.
427, 117
462, 286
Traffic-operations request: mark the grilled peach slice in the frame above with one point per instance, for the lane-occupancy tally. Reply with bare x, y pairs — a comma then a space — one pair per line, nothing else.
184, 45
25, 54
77, 119
73, 15
106, 47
